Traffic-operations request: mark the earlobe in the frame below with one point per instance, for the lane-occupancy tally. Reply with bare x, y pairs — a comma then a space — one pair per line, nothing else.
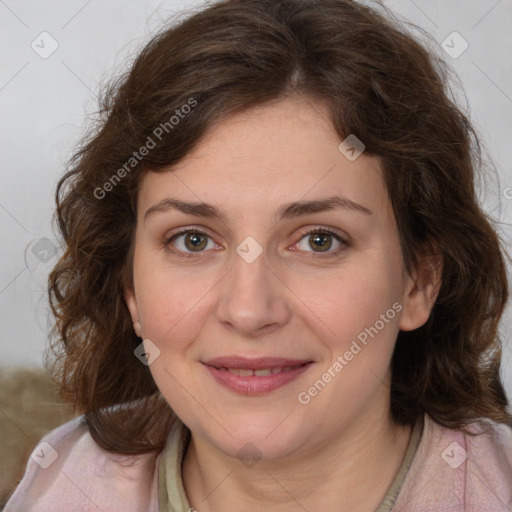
131, 302
137, 328
421, 294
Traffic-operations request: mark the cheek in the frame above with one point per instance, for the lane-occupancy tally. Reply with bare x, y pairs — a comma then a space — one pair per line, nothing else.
170, 305
173, 307
347, 303
360, 313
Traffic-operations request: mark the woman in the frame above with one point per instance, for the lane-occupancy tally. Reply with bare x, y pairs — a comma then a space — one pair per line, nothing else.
279, 290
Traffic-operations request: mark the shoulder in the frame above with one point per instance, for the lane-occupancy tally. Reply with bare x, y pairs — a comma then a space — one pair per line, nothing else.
68, 470
460, 472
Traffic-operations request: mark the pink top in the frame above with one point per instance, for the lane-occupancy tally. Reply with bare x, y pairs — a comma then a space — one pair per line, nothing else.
69, 471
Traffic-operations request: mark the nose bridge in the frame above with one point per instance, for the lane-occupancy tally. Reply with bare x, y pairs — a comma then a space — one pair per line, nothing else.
250, 269
252, 297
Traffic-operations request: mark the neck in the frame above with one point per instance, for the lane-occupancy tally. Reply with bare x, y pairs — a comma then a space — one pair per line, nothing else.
351, 471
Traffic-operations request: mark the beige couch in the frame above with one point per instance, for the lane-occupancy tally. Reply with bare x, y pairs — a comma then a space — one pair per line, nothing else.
29, 408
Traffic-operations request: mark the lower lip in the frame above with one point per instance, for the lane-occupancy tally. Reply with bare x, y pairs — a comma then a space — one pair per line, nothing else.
253, 384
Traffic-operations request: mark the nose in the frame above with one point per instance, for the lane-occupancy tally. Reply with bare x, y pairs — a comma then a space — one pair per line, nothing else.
253, 300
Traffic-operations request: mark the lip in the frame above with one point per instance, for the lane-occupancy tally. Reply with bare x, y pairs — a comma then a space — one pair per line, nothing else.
254, 384
254, 363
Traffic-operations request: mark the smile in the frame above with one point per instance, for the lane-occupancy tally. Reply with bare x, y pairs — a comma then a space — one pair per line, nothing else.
256, 381
244, 372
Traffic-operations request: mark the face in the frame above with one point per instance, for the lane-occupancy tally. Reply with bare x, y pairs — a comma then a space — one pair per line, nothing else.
252, 281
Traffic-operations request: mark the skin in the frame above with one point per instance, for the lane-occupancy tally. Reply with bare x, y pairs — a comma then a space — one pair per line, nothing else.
342, 450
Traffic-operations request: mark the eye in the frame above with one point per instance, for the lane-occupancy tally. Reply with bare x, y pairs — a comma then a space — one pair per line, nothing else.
320, 240
191, 241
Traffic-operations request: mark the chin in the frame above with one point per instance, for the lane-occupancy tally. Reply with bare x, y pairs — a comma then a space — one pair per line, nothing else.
269, 437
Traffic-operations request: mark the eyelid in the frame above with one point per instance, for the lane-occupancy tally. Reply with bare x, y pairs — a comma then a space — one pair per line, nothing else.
343, 239
166, 242
324, 229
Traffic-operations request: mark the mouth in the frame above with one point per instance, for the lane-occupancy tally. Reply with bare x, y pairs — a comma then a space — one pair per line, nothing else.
255, 376
260, 363
246, 372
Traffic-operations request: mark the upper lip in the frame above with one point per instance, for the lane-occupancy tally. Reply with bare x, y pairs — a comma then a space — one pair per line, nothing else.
254, 364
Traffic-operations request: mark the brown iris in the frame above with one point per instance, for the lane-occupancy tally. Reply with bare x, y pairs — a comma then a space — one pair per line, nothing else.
193, 241
320, 239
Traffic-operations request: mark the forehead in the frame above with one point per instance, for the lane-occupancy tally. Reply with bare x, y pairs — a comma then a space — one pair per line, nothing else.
256, 160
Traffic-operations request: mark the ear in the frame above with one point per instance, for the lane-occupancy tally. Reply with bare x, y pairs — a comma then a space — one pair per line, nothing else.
131, 302
421, 293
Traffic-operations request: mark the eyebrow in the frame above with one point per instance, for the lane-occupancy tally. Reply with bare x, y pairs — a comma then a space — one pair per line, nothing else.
286, 211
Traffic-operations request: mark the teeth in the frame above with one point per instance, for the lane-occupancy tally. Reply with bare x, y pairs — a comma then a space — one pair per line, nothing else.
243, 373
265, 371
259, 373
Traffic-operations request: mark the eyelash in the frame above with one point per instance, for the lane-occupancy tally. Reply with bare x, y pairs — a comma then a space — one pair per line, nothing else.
336, 252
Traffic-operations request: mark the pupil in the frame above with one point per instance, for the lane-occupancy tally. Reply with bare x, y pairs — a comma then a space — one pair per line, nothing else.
320, 240
195, 240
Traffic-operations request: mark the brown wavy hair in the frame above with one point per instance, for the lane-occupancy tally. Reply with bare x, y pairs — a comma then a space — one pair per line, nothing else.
379, 83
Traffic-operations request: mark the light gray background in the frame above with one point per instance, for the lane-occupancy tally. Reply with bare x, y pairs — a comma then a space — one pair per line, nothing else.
44, 103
